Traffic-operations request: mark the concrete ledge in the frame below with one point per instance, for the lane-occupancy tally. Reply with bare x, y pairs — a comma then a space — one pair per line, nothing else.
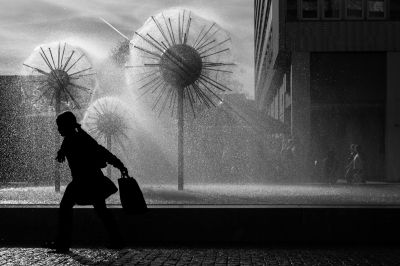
32, 225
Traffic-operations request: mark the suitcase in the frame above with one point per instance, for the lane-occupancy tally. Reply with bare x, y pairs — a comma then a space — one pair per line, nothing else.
131, 196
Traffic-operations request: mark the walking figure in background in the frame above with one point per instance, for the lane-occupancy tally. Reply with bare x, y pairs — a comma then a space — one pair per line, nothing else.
330, 166
358, 165
89, 186
349, 164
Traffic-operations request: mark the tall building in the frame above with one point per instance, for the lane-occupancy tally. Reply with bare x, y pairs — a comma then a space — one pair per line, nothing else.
331, 70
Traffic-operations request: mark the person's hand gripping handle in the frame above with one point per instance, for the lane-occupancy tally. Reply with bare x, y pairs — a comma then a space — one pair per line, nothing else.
124, 171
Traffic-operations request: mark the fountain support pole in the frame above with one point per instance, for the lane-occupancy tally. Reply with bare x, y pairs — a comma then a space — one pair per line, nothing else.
57, 178
180, 138
108, 140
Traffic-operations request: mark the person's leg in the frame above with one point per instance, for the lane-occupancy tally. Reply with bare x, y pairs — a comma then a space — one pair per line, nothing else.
65, 219
115, 239
358, 176
349, 175
346, 174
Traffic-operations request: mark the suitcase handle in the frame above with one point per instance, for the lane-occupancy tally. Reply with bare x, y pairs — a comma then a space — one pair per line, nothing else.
125, 175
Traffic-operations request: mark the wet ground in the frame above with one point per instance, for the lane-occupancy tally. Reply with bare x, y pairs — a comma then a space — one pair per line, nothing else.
381, 194
204, 256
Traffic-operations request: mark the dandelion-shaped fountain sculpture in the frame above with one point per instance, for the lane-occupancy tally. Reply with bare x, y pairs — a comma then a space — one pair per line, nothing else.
183, 60
105, 121
64, 80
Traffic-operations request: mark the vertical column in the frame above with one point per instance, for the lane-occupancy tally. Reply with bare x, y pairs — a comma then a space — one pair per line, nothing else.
301, 113
392, 128
180, 139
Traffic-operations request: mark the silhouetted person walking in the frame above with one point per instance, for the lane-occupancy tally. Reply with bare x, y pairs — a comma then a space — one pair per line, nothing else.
89, 186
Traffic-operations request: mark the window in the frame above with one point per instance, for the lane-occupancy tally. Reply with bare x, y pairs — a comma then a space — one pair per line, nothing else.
309, 9
331, 9
376, 9
354, 9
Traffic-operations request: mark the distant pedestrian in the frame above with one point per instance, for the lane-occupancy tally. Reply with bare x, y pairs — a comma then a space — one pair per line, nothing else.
349, 164
355, 171
89, 186
358, 165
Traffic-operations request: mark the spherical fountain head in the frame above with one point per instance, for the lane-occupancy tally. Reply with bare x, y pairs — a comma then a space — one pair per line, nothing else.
108, 118
61, 77
180, 65
177, 51
110, 124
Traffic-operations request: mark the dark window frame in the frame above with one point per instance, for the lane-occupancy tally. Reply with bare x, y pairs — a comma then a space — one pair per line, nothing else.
343, 11
385, 10
322, 2
363, 6
311, 19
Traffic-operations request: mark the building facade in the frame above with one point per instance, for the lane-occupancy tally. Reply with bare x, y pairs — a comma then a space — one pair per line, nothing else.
328, 68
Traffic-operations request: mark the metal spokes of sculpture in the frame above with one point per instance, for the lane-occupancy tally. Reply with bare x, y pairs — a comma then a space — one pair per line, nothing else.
105, 120
64, 80
183, 60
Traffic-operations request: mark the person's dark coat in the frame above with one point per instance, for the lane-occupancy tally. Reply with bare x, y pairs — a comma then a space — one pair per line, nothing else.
86, 158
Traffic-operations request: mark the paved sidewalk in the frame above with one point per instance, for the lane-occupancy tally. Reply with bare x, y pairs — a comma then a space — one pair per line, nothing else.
204, 256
